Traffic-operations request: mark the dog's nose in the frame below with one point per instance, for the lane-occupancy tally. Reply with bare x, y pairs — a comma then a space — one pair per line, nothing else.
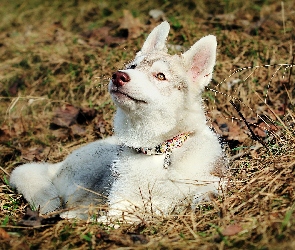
120, 78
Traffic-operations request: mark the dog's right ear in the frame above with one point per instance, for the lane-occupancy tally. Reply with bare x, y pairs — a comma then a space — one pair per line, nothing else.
156, 40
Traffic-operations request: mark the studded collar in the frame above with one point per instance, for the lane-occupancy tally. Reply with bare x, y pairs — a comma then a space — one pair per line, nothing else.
164, 147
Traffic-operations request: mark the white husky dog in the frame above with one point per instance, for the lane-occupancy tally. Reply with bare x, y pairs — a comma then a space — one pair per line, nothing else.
162, 152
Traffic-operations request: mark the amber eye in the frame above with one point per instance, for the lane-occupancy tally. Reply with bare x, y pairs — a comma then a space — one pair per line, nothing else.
161, 76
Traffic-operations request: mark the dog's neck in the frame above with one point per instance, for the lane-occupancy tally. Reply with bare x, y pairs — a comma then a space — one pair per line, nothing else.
150, 130
166, 146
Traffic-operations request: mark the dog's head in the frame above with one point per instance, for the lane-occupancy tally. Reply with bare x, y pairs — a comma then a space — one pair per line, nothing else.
157, 94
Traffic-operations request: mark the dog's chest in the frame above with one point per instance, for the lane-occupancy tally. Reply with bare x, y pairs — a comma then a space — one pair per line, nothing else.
134, 170
138, 166
140, 177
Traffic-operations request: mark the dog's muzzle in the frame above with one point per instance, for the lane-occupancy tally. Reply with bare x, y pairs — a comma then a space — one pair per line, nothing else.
120, 78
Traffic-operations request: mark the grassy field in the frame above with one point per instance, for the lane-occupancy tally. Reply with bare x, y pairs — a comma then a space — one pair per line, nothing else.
56, 58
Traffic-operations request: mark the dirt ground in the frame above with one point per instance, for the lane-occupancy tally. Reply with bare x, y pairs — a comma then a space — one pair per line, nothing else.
56, 59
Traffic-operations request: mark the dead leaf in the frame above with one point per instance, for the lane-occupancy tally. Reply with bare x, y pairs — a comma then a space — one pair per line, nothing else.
229, 129
142, 239
86, 114
15, 129
101, 36
3, 234
231, 230
5, 133
264, 129
78, 130
34, 153
61, 133
7, 152
68, 115
65, 116
34, 219
67, 119
18, 82
31, 219
130, 24
123, 239
18, 127
102, 235
100, 126
130, 27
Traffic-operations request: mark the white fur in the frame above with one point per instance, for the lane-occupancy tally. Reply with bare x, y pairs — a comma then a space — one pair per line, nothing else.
128, 180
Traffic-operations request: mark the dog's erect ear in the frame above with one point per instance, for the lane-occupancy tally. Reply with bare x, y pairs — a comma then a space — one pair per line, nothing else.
200, 60
156, 39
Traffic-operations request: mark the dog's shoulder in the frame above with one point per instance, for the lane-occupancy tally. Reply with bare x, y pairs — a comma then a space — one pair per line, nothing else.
93, 156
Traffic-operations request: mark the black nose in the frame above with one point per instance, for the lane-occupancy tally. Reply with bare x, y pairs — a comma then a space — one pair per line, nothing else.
120, 78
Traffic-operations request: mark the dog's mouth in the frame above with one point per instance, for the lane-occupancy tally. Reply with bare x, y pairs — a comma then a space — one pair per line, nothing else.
119, 93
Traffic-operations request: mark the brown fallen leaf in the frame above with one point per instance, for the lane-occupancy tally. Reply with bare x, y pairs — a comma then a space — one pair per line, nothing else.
125, 239
3, 234
7, 152
264, 129
31, 219
77, 130
15, 129
34, 219
34, 153
139, 238
101, 235
65, 116
229, 129
61, 133
101, 36
68, 115
130, 24
231, 230
68, 119
86, 114
14, 87
100, 126
5, 133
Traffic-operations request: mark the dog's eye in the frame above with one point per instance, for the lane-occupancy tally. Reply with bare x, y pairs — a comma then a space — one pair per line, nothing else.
161, 76
132, 66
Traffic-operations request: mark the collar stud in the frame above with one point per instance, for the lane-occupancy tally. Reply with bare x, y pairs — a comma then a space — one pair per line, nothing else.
167, 146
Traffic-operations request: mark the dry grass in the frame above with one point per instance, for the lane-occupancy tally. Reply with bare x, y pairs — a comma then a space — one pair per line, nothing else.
54, 54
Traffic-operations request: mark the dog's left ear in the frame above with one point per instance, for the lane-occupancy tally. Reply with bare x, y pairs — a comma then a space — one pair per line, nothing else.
200, 60
156, 40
